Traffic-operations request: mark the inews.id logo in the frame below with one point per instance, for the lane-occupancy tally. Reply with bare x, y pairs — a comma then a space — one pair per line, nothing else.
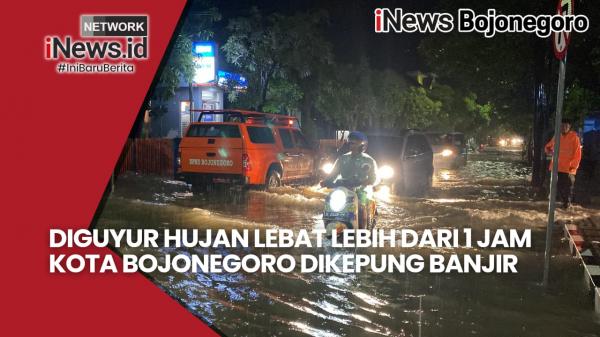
103, 37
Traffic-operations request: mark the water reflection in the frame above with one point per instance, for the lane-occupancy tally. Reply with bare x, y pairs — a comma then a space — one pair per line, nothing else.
484, 194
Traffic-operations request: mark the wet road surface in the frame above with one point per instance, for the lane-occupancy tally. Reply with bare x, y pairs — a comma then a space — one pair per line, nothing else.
489, 192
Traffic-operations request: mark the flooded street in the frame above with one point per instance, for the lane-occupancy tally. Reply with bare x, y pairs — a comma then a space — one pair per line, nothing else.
489, 192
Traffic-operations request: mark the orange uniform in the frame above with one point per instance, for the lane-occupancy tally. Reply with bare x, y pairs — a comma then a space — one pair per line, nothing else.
569, 155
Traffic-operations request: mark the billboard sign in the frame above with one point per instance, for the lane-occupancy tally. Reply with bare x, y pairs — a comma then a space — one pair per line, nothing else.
205, 62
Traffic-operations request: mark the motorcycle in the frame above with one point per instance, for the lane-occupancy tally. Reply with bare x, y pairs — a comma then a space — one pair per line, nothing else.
342, 208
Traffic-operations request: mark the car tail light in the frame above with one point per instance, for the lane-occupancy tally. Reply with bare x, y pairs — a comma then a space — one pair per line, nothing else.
246, 165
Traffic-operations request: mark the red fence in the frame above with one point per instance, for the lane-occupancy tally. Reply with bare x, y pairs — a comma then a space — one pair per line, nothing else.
148, 156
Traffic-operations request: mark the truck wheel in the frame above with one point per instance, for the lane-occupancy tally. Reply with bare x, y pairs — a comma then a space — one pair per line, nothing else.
273, 179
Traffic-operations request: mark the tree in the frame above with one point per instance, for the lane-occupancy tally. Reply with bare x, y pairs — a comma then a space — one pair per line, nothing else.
358, 97
509, 72
475, 118
450, 109
284, 97
179, 66
180, 61
580, 101
281, 57
500, 71
307, 59
389, 88
420, 111
345, 97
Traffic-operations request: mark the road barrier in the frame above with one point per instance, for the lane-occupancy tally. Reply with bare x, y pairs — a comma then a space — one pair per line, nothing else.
584, 242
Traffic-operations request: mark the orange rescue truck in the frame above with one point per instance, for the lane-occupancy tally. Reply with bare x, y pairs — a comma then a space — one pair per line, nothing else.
245, 148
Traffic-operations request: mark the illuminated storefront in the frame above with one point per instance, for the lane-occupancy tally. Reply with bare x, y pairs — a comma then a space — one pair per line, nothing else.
203, 92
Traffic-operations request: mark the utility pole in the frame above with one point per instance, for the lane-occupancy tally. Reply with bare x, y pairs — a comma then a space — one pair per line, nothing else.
560, 43
554, 178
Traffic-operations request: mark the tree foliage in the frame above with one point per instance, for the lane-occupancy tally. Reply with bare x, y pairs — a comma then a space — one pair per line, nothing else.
345, 96
503, 71
180, 62
275, 49
480, 85
580, 101
180, 66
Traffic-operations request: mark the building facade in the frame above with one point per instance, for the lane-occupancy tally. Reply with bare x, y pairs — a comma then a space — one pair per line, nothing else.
173, 122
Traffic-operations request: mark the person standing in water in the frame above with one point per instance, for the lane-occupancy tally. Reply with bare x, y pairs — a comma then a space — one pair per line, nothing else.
569, 156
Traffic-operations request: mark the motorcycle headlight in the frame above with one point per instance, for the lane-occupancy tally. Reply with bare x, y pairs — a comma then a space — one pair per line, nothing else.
447, 153
383, 192
337, 200
385, 172
327, 168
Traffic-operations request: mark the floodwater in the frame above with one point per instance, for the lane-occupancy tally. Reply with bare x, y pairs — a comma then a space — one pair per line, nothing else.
489, 192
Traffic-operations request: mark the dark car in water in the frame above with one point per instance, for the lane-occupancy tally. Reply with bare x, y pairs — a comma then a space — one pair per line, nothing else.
449, 149
404, 160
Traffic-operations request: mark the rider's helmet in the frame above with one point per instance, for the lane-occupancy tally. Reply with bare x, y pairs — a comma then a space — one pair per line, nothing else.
360, 137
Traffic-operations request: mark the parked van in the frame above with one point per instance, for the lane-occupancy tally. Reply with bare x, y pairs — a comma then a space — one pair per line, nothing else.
245, 148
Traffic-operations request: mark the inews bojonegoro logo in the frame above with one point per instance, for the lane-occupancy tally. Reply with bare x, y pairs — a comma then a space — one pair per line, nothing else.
489, 24
111, 38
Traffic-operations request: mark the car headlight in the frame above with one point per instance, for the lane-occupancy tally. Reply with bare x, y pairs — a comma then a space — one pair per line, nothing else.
327, 168
447, 153
385, 172
337, 200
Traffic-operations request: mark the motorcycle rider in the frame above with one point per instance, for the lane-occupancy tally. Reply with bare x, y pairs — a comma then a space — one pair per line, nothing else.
359, 169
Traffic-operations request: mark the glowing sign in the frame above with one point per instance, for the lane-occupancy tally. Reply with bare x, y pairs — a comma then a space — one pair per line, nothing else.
203, 49
238, 81
205, 64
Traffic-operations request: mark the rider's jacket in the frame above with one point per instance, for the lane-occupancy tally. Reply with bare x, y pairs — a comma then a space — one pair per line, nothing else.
360, 167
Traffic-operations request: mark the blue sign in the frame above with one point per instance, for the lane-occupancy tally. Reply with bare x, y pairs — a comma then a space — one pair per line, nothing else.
203, 49
591, 123
225, 77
